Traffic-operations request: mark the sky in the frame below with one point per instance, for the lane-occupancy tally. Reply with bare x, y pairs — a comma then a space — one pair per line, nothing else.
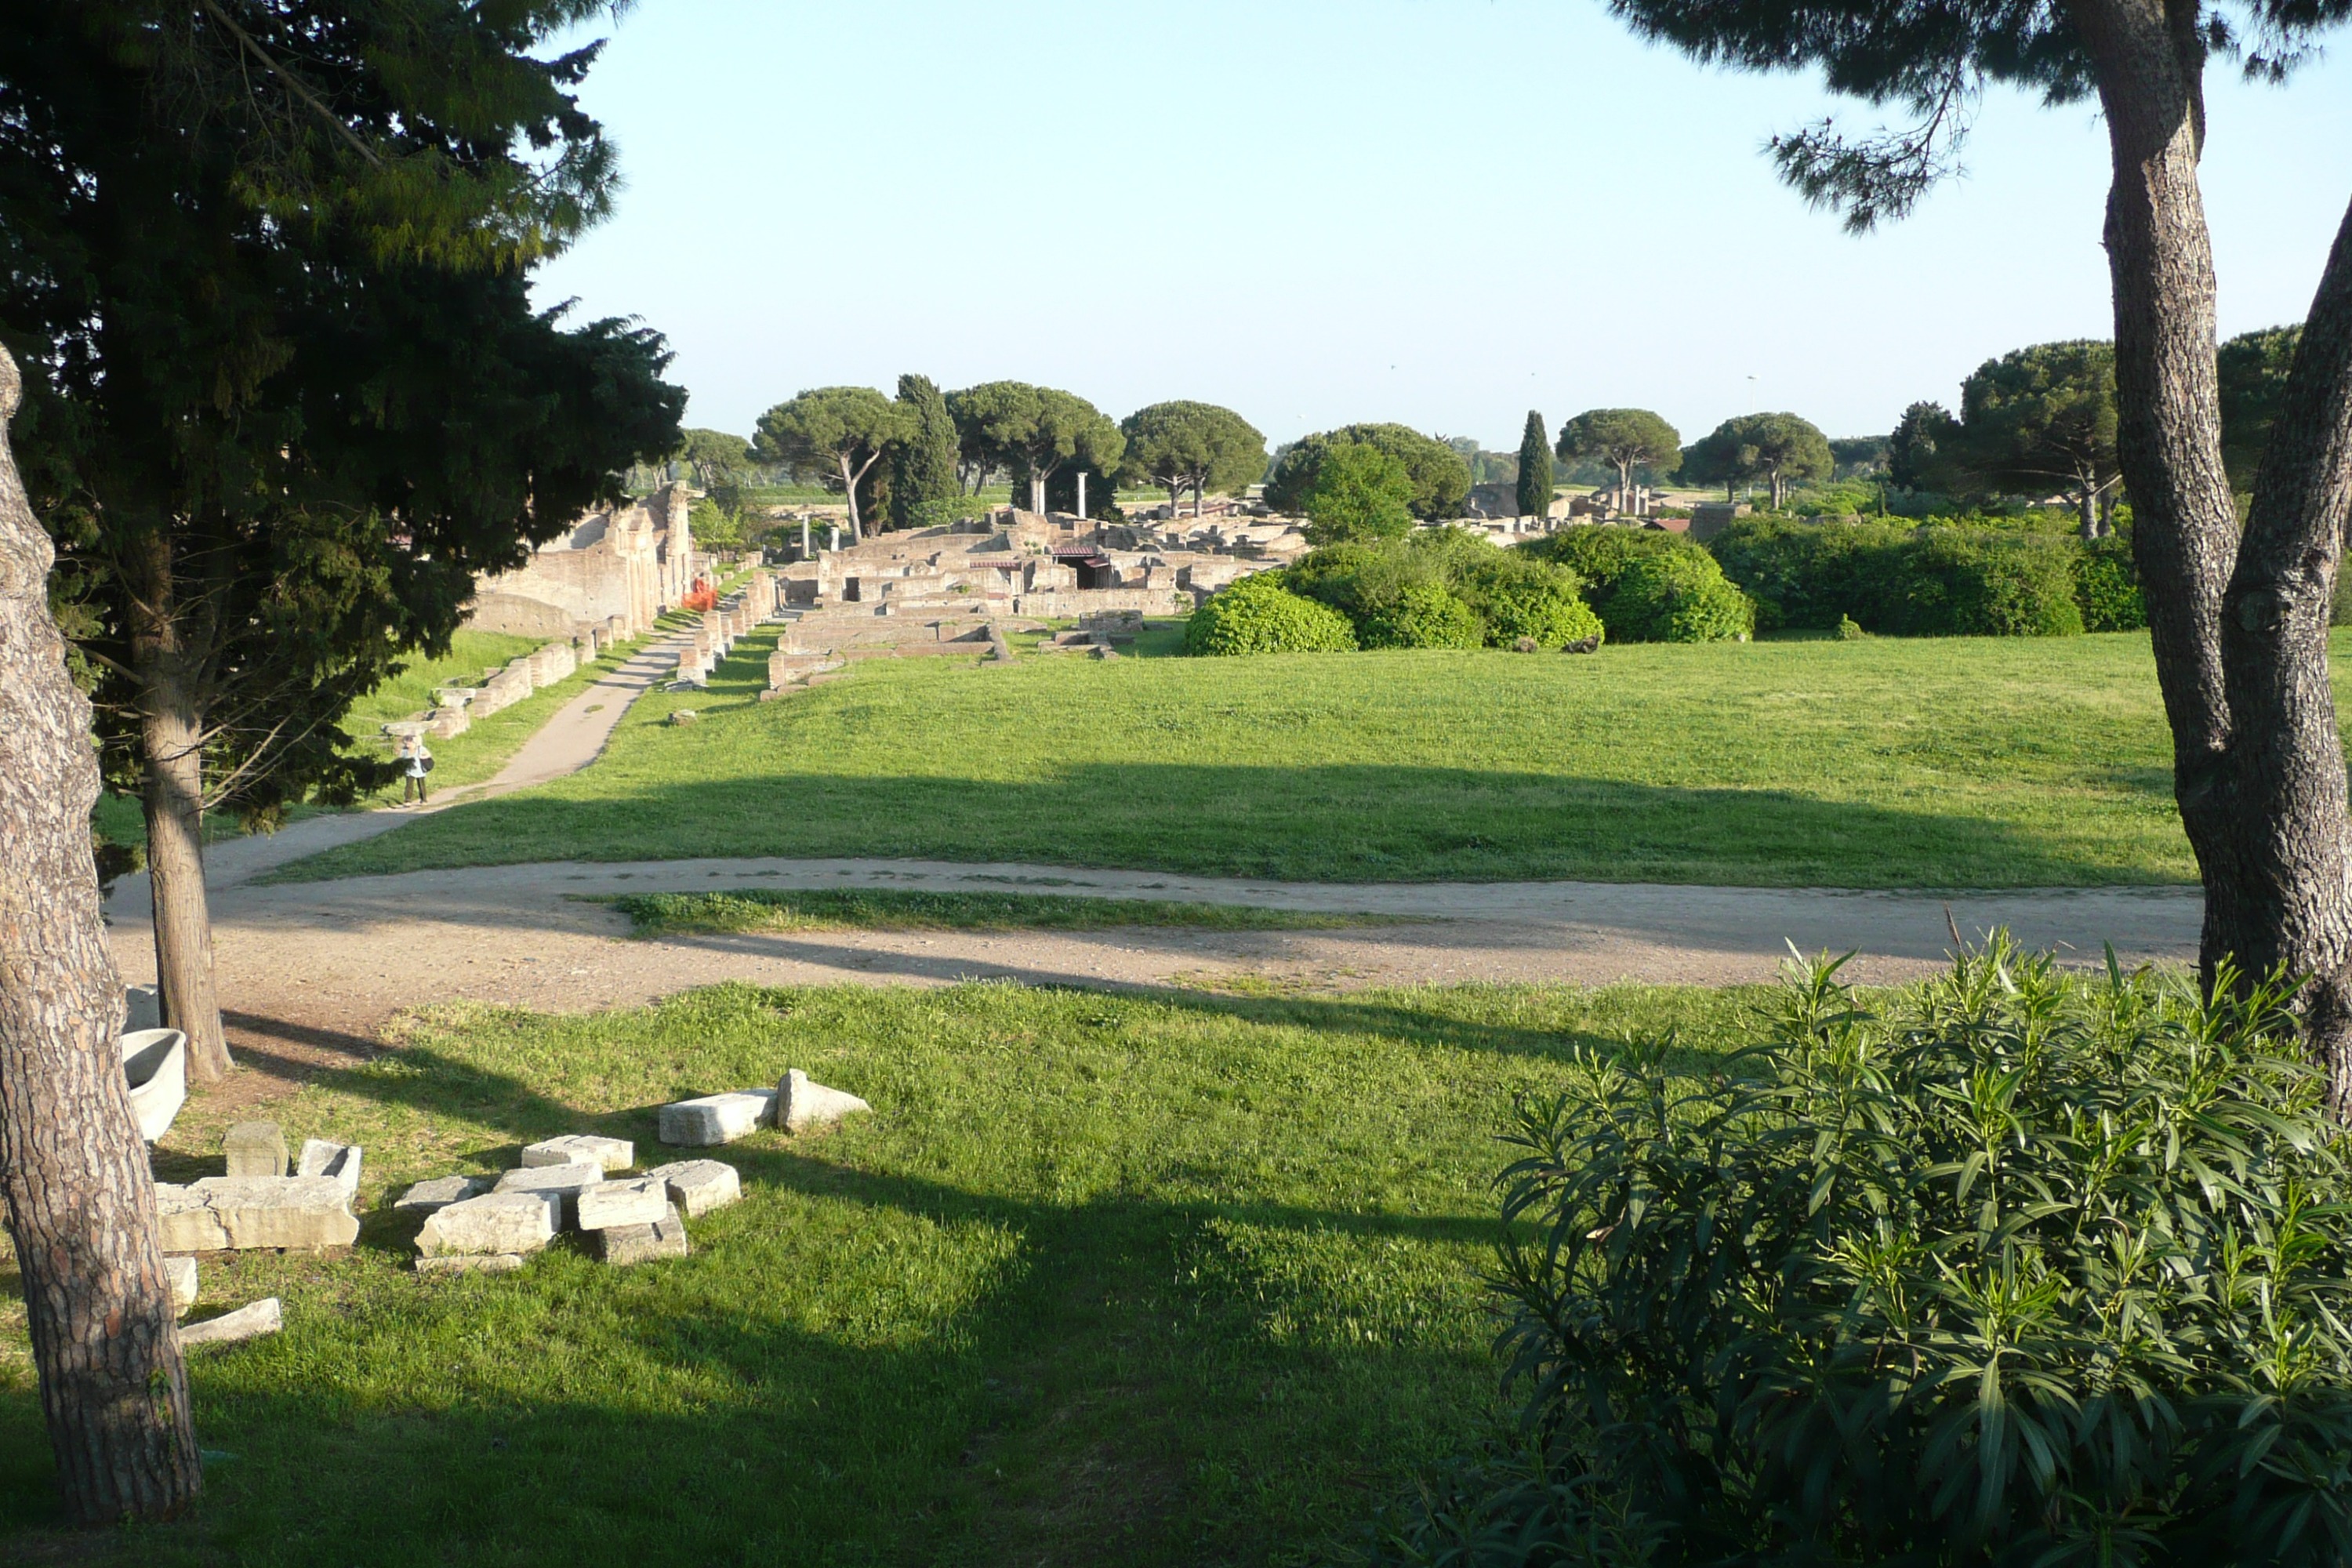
1443, 213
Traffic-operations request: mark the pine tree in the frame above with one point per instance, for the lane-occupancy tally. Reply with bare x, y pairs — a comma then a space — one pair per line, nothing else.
1535, 468
924, 488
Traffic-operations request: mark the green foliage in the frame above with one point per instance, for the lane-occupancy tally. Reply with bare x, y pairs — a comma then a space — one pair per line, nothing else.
1441, 480
1258, 614
1677, 595
1850, 630
1600, 554
2010, 1269
2026, 576
1779, 449
2106, 586
836, 436
924, 491
1031, 432
1424, 614
910, 909
1186, 445
718, 459
1860, 455
1920, 453
1359, 492
1624, 438
285, 383
1534, 493
2042, 418
1416, 591
2253, 369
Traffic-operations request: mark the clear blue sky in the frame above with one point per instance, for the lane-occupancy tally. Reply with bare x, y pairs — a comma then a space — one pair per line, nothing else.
1441, 212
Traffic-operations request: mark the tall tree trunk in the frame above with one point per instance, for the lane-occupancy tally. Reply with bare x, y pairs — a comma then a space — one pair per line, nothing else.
2239, 633
80, 1201
1036, 493
2087, 507
849, 488
171, 741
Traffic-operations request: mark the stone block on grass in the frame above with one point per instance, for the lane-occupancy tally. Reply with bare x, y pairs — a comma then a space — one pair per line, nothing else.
253, 1149
492, 1224
562, 1183
184, 1222
698, 1186
262, 1317
439, 1194
298, 1213
179, 1273
715, 1118
803, 1103
622, 1244
339, 1162
642, 1200
576, 1148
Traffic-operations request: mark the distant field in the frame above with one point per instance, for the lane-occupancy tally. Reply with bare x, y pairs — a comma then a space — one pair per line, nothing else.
1959, 762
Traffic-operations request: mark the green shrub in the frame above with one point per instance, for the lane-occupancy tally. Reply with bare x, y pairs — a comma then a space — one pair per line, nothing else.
1850, 630
1427, 614
1977, 583
2018, 1270
2106, 586
1258, 614
1677, 595
1600, 554
1808, 575
1359, 492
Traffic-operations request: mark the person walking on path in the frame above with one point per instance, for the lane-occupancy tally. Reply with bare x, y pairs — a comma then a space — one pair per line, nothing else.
415, 761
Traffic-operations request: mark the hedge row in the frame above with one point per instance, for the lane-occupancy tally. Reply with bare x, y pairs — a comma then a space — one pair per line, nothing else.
1648, 586
1938, 580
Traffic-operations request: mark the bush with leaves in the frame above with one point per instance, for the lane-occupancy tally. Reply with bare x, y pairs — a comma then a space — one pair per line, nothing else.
1600, 554
1983, 583
1678, 595
1426, 615
2012, 1269
2106, 586
1258, 614
1412, 593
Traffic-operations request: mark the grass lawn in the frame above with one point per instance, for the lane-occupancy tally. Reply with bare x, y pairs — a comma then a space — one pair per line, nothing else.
892, 908
1887, 763
1166, 1279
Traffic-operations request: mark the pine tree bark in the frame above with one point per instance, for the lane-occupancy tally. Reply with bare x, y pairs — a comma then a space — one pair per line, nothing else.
2238, 627
171, 739
79, 1199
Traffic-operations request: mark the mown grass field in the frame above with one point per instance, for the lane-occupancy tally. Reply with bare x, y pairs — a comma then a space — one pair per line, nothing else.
898, 908
1175, 1278
1887, 763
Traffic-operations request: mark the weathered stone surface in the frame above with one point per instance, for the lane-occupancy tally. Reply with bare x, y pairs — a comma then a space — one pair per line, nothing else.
184, 1222
439, 1194
621, 1245
642, 1201
801, 1103
300, 1213
339, 1162
181, 1274
493, 1223
698, 1186
715, 1118
264, 1317
563, 1182
254, 1149
471, 1263
574, 1148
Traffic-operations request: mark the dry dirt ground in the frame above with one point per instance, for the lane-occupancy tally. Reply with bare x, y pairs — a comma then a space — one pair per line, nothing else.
309, 973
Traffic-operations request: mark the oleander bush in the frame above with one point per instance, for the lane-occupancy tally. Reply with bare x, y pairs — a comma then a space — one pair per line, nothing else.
1677, 595
2016, 1270
1258, 614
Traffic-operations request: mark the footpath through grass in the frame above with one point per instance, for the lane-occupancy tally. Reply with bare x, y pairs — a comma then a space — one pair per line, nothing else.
1175, 1278
893, 909
1886, 763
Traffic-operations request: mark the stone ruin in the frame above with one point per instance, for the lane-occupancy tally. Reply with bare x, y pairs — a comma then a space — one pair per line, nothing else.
961, 589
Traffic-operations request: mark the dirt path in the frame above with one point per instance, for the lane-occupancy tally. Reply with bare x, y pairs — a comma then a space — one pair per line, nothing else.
311, 971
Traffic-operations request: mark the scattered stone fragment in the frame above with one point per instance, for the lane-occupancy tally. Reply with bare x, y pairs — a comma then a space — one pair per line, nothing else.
185, 1222
179, 1273
698, 1186
642, 1201
609, 1153
254, 1149
491, 1223
801, 1103
621, 1245
564, 1182
264, 1317
682, 716
470, 1263
339, 1161
716, 1117
300, 1213
439, 1193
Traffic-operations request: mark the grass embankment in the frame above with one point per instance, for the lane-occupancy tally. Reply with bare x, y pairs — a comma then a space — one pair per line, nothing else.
1886, 763
888, 908
1166, 1279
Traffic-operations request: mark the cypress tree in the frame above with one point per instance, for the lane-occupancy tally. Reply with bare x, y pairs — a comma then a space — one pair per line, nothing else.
1535, 468
923, 483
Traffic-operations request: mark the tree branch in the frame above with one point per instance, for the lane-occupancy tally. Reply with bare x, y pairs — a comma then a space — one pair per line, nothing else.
292, 82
